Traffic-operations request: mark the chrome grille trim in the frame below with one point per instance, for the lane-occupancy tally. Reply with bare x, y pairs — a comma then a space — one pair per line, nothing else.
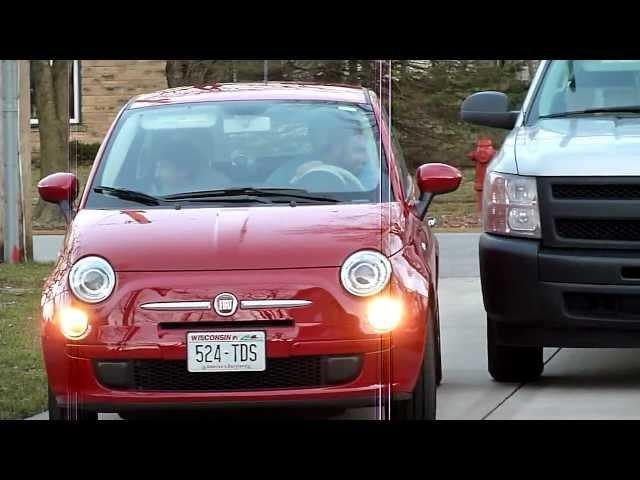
256, 304
176, 306
207, 305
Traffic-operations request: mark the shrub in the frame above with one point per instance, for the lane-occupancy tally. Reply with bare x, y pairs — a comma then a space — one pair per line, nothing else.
85, 153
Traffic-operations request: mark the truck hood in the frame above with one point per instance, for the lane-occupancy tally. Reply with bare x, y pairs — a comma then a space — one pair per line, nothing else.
591, 146
234, 238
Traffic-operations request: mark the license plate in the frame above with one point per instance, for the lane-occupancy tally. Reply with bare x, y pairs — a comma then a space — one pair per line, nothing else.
226, 351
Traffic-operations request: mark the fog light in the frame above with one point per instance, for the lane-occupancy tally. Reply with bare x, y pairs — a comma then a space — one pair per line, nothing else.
384, 314
74, 323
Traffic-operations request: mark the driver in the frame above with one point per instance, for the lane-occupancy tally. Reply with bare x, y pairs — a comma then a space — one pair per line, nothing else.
340, 147
350, 155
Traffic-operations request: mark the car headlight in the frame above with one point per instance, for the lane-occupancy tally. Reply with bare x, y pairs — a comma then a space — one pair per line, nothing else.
365, 273
74, 323
92, 279
510, 205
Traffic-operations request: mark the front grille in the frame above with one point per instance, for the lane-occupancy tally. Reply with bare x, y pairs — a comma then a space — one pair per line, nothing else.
172, 375
603, 305
608, 230
596, 192
590, 212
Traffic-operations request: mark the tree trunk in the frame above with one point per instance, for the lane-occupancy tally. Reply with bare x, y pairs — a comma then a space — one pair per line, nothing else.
51, 82
531, 66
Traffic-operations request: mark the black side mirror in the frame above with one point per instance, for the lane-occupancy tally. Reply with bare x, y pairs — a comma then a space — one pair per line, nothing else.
489, 109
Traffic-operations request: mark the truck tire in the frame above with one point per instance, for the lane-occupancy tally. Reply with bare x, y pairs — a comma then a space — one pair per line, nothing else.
58, 413
422, 404
512, 363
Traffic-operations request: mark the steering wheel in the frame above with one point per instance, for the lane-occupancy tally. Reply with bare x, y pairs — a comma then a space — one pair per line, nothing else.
243, 163
342, 178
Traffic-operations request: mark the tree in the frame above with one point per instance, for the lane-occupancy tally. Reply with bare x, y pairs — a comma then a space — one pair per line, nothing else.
425, 94
51, 95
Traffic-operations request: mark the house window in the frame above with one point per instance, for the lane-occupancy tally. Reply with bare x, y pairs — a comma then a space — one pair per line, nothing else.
74, 96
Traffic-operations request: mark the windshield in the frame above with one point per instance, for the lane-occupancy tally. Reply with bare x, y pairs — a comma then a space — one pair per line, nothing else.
579, 85
327, 149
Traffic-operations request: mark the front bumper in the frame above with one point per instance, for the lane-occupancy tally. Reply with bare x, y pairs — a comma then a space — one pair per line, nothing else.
559, 297
334, 325
73, 375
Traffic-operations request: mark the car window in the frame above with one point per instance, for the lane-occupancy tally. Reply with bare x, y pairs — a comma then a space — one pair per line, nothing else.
574, 85
329, 148
406, 176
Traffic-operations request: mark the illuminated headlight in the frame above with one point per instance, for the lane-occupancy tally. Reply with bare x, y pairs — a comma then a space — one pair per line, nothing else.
92, 279
510, 205
74, 323
365, 273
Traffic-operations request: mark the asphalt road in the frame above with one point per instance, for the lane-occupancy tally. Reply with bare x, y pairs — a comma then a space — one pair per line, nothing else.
577, 383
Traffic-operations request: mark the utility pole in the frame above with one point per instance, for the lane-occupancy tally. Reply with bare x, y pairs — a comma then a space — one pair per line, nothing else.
1, 169
12, 190
24, 153
266, 70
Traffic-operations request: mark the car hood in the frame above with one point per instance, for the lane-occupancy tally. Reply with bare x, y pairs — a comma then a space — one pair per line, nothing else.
593, 146
234, 238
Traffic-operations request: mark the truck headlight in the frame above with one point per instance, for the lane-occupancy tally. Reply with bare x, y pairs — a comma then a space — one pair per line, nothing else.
92, 279
365, 273
510, 205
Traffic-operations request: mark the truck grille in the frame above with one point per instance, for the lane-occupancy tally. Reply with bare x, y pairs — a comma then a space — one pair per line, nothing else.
590, 212
611, 230
595, 192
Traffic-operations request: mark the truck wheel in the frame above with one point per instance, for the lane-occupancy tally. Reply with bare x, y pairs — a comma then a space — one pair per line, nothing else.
510, 363
60, 413
422, 404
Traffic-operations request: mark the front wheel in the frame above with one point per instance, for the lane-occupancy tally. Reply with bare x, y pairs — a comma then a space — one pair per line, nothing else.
56, 412
422, 404
509, 363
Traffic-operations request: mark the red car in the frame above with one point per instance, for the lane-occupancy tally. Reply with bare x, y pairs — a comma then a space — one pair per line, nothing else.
246, 245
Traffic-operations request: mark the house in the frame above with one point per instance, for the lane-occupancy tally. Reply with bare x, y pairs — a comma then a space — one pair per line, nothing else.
99, 89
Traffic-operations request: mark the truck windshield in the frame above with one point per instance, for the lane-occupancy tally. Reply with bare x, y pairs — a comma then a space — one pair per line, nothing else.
247, 152
588, 87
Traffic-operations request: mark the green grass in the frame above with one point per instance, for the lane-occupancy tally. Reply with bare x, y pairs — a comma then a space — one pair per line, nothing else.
23, 390
457, 210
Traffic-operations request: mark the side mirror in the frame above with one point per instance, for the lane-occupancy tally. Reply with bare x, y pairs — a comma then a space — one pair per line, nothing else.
60, 188
435, 179
489, 109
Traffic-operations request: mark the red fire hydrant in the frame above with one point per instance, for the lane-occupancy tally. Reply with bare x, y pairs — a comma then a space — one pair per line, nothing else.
482, 155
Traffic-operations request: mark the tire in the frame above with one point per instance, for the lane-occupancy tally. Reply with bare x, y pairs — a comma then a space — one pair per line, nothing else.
438, 351
511, 363
422, 404
58, 413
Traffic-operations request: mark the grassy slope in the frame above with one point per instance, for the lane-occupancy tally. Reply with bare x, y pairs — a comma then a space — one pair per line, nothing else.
23, 388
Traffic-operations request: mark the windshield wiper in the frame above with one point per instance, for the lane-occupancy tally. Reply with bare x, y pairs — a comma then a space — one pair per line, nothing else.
284, 193
130, 195
590, 111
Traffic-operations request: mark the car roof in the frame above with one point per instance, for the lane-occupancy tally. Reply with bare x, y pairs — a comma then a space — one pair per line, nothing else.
252, 91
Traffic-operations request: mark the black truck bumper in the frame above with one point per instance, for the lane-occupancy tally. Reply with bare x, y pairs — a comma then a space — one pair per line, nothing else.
560, 297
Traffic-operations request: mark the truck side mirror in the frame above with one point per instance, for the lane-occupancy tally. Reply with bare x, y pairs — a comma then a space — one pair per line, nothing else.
489, 109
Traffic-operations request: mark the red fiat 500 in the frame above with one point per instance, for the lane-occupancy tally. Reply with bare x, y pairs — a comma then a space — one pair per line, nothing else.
246, 245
